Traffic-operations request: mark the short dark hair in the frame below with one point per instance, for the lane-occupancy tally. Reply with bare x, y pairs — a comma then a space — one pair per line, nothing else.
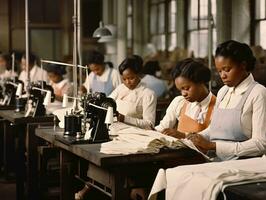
238, 52
32, 58
132, 63
95, 57
56, 69
192, 69
151, 67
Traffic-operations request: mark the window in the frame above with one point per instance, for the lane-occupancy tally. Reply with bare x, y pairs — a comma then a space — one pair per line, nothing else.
260, 23
198, 26
130, 24
163, 24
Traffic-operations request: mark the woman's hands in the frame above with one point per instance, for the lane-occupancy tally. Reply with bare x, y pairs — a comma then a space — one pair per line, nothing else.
201, 143
120, 117
174, 133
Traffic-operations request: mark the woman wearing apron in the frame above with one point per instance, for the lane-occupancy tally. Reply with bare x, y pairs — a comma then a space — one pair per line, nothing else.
238, 122
192, 110
136, 104
102, 77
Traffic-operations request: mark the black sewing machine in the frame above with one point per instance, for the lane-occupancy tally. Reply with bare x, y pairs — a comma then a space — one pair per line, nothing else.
8, 91
35, 102
95, 107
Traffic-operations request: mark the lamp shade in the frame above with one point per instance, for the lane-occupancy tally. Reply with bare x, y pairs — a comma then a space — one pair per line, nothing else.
65, 101
109, 118
19, 90
47, 99
101, 31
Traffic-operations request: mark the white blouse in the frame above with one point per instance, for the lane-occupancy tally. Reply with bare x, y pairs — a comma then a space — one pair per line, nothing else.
253, 120
36, 74
145, 101
115, 76
63, 87
174, 110
7, 74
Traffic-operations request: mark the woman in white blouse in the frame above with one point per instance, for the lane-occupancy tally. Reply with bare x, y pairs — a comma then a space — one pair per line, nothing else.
238, 123
5, 66
193, 109
60, 85
136, 104
102, 78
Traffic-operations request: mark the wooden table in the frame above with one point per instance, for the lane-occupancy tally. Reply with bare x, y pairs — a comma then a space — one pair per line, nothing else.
15, 131
114, 175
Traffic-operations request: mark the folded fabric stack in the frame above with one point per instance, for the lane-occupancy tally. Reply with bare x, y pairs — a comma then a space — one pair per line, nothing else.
128, 139
206, 181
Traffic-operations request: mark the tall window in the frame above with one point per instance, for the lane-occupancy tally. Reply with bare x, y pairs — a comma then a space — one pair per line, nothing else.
163, 24
130, 24
198, 26
260, 21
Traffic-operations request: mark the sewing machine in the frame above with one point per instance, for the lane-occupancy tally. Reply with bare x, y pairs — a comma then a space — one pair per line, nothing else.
35, 104
8, 91
94, 121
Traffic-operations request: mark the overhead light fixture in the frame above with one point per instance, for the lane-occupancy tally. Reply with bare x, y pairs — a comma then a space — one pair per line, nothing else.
101, 31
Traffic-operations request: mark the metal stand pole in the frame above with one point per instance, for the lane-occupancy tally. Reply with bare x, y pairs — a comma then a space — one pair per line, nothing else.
75, 54
210, 39
27, 46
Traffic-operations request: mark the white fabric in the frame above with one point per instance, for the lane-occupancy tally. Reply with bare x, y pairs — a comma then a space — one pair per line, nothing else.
144, 101
36, 74
155, 84
128, 140
206, 181
253, 120
115, 76
174, 109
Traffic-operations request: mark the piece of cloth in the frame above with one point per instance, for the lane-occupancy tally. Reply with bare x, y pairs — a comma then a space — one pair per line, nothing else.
138, 105
36, 74
155, 84
189, 125
173, 111
252, 120
206, 181
129, 140
114, 76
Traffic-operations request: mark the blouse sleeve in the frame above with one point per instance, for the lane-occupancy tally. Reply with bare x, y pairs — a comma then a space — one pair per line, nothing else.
149, 112
172, 114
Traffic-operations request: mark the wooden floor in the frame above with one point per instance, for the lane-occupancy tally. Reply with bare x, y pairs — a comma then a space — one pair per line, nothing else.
7, 190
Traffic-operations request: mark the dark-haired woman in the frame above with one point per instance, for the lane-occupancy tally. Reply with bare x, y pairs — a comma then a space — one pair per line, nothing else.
238, 122
136, 103
36, 73
102, 78
60, 85
5, 66
192, 110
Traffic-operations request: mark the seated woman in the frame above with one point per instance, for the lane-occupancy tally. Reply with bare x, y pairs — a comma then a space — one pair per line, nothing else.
5, 67
193, 109
238, 123
136, 104
60, 85
102, 78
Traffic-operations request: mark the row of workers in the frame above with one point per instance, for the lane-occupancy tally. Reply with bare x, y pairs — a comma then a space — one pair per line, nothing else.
234, 126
